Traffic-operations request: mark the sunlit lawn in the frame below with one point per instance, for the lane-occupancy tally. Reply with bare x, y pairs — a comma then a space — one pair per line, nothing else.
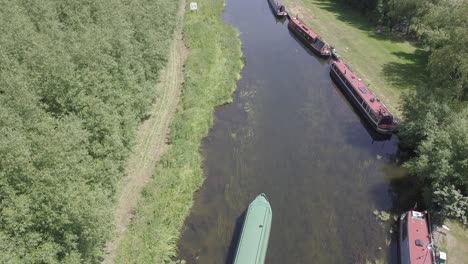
390, 64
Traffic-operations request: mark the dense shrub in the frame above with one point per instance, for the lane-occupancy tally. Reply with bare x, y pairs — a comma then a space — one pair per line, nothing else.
451, 203
75, 80
436, 116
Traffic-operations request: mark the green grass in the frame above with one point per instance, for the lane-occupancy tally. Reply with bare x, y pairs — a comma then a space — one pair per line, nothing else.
390, 64
457, 245
211, 71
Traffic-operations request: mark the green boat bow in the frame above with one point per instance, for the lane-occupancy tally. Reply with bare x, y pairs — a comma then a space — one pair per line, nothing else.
253, 242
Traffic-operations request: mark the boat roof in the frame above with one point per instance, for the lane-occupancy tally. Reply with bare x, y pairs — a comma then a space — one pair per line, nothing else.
358, 85
418, 230
255, 232
304, 27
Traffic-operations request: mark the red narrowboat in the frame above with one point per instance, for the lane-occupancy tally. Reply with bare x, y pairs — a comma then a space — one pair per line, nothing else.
373, 109
415, 239
311, 39
278, 8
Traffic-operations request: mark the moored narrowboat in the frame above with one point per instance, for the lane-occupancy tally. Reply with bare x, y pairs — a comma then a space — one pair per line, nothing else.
415, 241
278, 8
311, 39
371, 107
253, 243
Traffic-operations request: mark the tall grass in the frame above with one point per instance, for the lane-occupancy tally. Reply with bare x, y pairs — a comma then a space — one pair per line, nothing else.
211, 72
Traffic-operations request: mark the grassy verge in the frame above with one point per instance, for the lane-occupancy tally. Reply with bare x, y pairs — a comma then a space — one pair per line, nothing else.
211, 71
151, 137
455, 242
389, 64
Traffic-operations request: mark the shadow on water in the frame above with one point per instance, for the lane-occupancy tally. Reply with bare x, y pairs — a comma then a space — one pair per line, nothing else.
307, 49
353, 138
412, 73
235, 238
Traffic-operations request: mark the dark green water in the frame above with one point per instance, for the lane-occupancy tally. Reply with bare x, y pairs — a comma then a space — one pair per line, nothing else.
291, 134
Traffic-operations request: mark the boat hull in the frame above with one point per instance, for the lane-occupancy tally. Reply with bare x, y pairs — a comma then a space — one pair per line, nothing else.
301, 38
277, 8
356, 104
255, 234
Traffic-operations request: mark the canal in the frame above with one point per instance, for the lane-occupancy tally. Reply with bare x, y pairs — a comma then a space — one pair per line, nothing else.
292, 134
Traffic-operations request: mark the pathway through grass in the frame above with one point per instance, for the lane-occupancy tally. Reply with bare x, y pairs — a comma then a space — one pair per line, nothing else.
454, 242
389, 64
151, 137
211, 71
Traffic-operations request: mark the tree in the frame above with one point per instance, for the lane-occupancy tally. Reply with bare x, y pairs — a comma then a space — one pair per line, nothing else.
446, 33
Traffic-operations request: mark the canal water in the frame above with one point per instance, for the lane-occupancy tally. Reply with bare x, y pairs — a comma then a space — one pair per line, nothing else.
290, 133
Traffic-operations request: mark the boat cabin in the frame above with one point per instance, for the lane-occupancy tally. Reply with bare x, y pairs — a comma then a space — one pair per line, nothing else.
415, 239
309, 37
371, 106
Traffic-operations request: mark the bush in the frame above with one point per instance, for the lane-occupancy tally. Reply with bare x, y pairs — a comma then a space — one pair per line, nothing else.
451, 203
76, 77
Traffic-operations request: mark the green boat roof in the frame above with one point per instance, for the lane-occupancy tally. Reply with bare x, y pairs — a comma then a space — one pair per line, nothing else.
255, 233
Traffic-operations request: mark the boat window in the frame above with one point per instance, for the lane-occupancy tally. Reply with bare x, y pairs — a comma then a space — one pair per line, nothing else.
347, 83
386, 120
363, 89
319, 44
365, 105
373, 115
358, 97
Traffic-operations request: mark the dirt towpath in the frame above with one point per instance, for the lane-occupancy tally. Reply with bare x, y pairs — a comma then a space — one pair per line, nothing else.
151, 137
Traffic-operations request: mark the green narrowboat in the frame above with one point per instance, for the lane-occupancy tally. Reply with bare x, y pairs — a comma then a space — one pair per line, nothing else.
253, 242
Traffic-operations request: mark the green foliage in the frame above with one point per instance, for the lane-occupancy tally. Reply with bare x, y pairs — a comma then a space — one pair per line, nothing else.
451, 203
442, 156
382, 215
446, 32
75, 79
404, 14
436, 116
364, 6
211, 72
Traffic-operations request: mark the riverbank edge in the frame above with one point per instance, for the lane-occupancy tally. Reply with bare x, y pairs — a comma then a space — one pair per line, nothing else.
211, 72
150, 141
391, 66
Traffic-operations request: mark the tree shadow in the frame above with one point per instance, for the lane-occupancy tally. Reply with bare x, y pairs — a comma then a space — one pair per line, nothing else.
413, 73
358, 20
235, 238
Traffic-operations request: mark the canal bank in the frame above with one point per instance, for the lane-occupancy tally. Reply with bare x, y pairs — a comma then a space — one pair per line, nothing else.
292, 134
389, 63
210, 74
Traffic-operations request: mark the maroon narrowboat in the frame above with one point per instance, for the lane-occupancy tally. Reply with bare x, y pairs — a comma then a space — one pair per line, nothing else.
311, 39
415, 240
278, 8
373, 109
